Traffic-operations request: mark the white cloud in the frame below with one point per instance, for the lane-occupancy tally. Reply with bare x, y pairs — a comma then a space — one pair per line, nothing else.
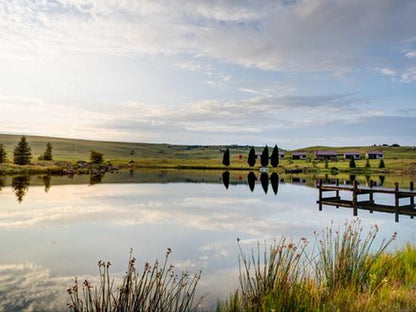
388, 72
409, 75
266, 34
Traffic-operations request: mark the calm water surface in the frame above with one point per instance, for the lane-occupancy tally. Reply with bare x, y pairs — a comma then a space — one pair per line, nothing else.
52, 229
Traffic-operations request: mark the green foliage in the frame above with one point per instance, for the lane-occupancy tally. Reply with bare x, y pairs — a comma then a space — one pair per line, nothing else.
226, 158
264, 159
48, 152
352, 163
344, 272
157, 288
326, 163
274, 158
22, 152
96, 157
367, 164
381, 164
3, 154
251, 160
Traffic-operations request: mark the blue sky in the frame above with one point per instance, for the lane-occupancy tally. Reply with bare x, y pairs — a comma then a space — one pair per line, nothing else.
290, 72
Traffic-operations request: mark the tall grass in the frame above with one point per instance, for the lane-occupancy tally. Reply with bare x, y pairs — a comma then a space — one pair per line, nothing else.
340, 272
346, 258
344, 270
156, 288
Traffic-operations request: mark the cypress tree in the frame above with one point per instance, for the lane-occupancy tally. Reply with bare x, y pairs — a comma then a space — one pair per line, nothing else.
381, 165
274, 158
226, 158
251, 160
265, 157
367, 164
3, 154
352, 163
48, 153
22, 154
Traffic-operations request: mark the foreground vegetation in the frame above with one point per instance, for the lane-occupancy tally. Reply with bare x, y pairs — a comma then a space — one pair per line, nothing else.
68, 153
342, 271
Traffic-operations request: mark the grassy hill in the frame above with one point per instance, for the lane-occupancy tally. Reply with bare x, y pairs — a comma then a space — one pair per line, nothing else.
194, 156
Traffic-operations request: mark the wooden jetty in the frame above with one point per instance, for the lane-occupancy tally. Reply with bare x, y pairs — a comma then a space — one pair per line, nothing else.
369, 204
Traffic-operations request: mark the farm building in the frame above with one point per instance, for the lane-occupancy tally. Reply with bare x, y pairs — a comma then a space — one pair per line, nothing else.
351, 155
329, 155
298, 155
281, 155
374, 155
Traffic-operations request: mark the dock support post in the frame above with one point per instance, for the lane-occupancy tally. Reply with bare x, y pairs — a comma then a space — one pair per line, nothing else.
337, 191
320, 194
371, 196
354, 199
396, 202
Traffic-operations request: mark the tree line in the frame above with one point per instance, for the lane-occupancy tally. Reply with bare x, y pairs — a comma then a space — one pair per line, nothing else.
22, 153
252, 157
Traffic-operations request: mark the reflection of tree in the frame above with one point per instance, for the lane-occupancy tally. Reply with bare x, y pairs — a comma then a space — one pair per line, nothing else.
20, 185
274, 178
95, 178
264, 179
251, 178
46, 182
352, 178
1, 184
381, 180
131, 172
226, 179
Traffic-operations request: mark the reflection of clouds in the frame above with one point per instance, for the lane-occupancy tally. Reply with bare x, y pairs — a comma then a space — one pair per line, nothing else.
127, 207
29, 287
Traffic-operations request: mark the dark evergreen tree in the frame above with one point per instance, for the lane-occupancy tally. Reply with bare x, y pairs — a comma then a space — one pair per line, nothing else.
367, 164
264, 179
3, 154
274, 178
226, 179
251, 160
251, 178
274, 158
20, 186
264, 159
381, 164
48, 153
226, 158
22, 154
96, 157
352, 163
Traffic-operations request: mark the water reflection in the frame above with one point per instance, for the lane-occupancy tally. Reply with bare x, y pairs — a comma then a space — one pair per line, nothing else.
226, 179
71, 227
1, 184
251, 179
264, 179
46, 179
20, 186
274, 178
96, 178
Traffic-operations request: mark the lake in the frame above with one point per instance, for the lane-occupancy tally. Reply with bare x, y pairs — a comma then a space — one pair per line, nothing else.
55, 228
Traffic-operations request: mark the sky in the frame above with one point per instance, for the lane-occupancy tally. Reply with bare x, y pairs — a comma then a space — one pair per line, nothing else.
289, 72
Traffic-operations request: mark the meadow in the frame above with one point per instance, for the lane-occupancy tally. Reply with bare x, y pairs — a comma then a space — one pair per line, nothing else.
146, 155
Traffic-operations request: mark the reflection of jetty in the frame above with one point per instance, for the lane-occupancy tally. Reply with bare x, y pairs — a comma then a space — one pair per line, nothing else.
369, 204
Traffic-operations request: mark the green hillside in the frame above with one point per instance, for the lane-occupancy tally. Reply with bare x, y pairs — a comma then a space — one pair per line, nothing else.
144, 155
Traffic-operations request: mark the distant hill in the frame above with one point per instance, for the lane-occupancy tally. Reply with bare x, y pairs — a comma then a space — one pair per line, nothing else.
75, 149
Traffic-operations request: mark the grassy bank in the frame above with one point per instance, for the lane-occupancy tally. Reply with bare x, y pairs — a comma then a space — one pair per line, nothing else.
342, 270
67, 152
